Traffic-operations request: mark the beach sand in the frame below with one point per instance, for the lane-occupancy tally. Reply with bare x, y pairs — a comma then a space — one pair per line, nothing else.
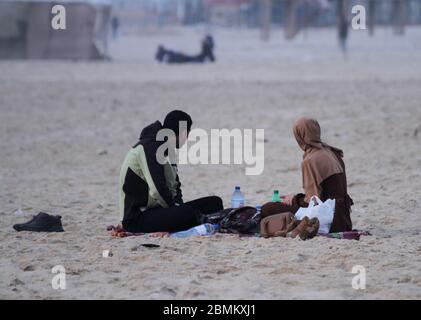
66, 126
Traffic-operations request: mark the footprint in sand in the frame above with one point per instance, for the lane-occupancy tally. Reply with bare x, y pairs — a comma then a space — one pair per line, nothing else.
195, 282
301, 257
168, 291
114, 280
226, 270
16, 282
29, 268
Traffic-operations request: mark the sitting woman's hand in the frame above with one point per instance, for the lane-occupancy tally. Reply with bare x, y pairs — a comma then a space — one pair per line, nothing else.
288, 199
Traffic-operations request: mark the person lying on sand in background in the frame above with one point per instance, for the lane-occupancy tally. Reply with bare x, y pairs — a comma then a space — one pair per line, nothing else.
323, 173
150, 192
170, 56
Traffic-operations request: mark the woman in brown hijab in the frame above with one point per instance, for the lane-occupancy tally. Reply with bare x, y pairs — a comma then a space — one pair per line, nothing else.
323, 172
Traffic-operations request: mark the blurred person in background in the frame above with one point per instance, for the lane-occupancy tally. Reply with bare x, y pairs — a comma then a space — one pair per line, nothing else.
206, 54
343, 36
114, 26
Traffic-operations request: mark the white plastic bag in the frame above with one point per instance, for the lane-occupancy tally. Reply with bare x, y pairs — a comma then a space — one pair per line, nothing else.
321, 210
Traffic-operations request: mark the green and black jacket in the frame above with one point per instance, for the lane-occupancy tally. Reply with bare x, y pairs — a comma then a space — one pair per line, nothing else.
144, 182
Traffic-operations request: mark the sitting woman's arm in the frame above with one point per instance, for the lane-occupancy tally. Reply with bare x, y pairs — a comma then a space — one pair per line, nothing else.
302, 200
299, 201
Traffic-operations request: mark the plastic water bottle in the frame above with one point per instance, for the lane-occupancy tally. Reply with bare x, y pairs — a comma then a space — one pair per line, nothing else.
275, 197
205, 229
237, 199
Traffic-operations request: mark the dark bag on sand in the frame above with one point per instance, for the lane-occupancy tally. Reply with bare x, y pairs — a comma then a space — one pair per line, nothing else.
214, 218
244, 220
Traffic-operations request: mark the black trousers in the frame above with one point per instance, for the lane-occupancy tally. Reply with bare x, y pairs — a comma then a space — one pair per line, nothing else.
173, 219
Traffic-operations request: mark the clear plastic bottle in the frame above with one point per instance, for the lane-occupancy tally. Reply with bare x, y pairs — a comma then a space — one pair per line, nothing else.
275, 196
205, 229
237, 199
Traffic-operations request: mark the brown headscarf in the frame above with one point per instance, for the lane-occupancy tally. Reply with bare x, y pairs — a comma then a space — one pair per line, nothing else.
320, 160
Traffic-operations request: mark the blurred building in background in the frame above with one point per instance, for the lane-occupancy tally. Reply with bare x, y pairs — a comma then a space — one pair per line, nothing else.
292, 14
248, 12
26, 32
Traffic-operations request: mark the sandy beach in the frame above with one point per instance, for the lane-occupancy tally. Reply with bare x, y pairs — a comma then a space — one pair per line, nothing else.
66, 127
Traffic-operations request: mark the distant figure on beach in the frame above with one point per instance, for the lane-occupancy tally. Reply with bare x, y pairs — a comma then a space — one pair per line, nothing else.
150, 192
114, 26
323, 173
206, 54
343, 35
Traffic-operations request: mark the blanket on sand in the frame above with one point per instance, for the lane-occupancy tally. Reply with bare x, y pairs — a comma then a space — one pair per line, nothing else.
119, 232
348, 235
